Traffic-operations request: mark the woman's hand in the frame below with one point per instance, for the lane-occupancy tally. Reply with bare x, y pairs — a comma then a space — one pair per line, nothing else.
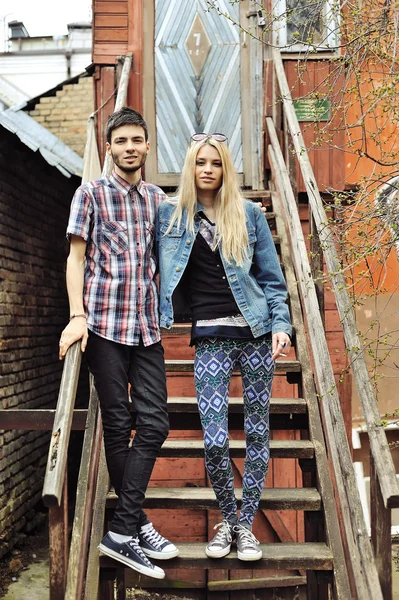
281, 344
74, 331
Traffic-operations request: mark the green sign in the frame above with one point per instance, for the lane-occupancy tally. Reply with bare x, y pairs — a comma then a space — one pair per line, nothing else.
310, 109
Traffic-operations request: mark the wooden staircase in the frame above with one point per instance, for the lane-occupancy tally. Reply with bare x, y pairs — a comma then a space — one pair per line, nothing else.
306, 564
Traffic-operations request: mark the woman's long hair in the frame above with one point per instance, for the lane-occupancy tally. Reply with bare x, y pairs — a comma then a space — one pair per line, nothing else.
231, 228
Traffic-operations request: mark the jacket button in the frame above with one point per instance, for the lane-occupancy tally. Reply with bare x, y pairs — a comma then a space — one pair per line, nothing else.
167, 298
188, 242
178, 269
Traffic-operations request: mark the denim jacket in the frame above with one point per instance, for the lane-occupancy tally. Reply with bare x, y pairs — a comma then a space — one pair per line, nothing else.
258, 285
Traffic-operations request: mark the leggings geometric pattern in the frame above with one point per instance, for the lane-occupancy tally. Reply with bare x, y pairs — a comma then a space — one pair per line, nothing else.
215, 361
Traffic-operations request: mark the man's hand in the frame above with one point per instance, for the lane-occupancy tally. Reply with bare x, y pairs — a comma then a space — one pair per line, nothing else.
74, 331
281, 344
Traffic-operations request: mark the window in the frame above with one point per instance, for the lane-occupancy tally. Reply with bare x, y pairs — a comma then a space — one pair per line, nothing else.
306, 24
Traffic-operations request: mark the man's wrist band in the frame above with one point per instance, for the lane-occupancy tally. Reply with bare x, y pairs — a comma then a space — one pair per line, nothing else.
79, 315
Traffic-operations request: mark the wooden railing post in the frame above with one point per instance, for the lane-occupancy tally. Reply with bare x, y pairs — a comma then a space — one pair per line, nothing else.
380, 520
58, 541
316, 265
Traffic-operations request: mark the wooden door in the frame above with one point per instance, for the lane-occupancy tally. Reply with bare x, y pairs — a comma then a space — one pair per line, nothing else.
194, 80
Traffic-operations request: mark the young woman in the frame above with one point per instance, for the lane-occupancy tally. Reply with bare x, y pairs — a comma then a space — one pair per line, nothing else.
219, 248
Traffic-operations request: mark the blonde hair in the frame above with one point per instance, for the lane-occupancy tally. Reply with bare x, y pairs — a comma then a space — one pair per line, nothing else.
229, 207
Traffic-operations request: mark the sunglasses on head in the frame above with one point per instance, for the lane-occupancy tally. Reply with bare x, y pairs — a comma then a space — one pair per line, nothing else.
219, 137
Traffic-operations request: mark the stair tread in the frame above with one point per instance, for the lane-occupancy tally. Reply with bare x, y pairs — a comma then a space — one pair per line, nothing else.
184, 365
278, 448
204, 498
301, 555
277, 405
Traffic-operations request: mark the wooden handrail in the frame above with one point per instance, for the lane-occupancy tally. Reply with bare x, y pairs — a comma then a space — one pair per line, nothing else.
58, 451
355, 528
378, 442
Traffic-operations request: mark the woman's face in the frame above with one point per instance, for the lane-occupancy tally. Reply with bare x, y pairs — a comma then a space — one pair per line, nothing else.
208, 169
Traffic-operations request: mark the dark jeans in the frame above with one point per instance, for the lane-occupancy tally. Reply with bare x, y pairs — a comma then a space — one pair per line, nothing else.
113, 367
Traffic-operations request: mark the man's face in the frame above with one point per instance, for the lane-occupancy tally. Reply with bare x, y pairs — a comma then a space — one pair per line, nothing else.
128, 148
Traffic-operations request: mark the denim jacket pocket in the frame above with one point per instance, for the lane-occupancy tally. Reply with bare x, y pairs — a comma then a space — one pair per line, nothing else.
114, 237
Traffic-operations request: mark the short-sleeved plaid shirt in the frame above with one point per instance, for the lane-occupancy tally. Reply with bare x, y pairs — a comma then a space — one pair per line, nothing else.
117, 222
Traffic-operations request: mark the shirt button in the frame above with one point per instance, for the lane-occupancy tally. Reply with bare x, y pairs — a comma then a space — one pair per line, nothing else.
223, 277
138, 243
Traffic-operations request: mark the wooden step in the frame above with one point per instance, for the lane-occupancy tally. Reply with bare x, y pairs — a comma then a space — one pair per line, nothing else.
292, 556
236, 405
200, 498
187, 366
255, 194
278, 449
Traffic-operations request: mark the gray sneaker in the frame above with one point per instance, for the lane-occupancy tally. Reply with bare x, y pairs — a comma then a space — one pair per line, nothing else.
247, 545
221, 544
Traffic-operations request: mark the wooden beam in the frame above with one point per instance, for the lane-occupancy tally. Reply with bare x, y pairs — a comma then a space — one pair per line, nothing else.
367, 577
92, 585
257, 584
380, 519
58, 451
84, 500
378, 442
58, 545
341, 579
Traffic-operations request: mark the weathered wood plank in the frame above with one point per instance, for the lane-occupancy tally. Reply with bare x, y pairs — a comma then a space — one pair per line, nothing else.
204, 498
84, 500
336, 434
256, 584
187, 366
378, 442
381, 520
58, 545
38, 419
341, 581
92, 583
58, 451
315, 556
278, 449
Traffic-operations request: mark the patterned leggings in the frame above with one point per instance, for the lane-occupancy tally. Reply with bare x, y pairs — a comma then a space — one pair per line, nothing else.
214, 363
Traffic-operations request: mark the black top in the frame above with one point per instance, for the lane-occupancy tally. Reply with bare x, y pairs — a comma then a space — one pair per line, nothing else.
210, 294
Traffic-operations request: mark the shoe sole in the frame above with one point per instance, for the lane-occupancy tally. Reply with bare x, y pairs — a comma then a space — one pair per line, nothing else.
160, 555
246, 557
218, 553
136, 566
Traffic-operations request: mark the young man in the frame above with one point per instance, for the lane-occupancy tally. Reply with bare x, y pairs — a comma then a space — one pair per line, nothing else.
114, 311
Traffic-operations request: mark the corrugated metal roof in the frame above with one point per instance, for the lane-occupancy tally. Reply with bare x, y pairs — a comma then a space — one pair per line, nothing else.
37, 137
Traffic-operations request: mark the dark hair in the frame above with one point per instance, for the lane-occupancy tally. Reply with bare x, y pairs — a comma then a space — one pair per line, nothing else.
124, 116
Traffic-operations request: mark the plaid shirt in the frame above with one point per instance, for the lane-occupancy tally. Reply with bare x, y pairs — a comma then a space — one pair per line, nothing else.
117, 222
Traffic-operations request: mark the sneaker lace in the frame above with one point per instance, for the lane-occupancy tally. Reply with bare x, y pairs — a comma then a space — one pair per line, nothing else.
224, 531
247, 538
135, 545
152, 535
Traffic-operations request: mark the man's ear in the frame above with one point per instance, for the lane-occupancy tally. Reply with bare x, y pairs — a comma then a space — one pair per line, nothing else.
148, 147
108, 148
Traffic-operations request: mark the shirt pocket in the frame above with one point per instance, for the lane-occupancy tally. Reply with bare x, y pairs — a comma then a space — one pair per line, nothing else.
114, 237
149, 234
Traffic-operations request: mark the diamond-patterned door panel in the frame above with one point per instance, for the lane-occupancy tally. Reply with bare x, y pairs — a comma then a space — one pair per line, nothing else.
197, 78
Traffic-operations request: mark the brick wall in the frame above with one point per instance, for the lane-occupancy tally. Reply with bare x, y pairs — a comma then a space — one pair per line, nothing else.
66, 113
34, 206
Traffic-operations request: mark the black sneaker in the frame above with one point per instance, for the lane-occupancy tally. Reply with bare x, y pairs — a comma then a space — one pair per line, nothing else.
248, 547
154, 545
221, 544
130, 554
